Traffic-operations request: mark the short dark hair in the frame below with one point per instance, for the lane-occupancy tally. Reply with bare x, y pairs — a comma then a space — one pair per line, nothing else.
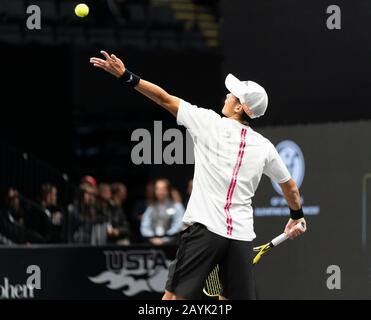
245, 118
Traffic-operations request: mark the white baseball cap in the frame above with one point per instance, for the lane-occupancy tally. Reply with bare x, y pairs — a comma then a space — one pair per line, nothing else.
248, 92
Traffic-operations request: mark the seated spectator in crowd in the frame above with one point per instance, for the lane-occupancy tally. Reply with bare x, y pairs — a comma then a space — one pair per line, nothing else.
118, 228
14, 208
87, 225
176, 196
54, 225
104, 201
98, 215
15, 221
140, 206
119, 193
163, 219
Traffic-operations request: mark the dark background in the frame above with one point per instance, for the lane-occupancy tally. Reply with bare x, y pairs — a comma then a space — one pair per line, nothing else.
337, 156
79, 120
312, 74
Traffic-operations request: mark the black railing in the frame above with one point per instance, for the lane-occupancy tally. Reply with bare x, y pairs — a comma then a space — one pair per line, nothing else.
28, 216
27, 173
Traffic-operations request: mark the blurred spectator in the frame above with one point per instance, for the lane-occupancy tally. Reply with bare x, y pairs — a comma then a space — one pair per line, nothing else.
54, 230
86, 224
140, 207
118, 228
104, 200
89, 181
163, 219
98, 215
119, 192
15, 221
176, 196
14, 208
189, 191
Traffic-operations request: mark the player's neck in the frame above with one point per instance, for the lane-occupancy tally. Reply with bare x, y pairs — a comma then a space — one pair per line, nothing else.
236, 117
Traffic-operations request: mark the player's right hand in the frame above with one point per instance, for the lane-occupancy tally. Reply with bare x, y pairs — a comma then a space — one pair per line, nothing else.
295, 228
111, 64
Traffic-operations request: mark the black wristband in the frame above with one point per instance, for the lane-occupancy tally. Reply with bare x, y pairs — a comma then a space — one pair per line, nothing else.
296, 214
130, 79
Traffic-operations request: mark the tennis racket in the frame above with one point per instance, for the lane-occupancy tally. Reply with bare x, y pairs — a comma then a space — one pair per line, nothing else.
212, 286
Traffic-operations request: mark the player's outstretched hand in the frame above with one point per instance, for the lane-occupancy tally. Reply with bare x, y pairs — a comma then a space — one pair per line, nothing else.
295, 228
111, 64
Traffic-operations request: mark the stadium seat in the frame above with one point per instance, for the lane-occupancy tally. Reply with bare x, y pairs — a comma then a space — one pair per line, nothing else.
162, 16
192, 39
43, 36
70, 34
163, 38
13, 9
102, 36
138, 14
132, 38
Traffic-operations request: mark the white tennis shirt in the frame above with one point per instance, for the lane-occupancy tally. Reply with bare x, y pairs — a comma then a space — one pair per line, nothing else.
230, 159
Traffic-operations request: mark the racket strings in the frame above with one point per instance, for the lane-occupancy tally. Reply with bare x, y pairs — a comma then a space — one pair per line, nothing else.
212, 285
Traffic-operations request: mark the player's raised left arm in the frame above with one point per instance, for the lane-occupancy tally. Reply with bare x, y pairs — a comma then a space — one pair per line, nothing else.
116, 67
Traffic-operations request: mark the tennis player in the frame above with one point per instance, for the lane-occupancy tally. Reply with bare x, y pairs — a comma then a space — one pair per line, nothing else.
230, 158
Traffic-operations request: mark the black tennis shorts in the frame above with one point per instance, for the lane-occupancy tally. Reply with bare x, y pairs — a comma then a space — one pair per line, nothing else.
200, 250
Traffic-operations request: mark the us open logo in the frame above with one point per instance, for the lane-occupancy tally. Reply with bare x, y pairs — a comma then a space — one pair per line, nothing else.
293, 158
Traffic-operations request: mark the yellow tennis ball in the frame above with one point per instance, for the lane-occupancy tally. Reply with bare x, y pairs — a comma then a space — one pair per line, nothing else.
81, 10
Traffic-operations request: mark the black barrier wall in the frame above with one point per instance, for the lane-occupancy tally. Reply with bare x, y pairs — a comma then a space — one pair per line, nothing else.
68, 272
